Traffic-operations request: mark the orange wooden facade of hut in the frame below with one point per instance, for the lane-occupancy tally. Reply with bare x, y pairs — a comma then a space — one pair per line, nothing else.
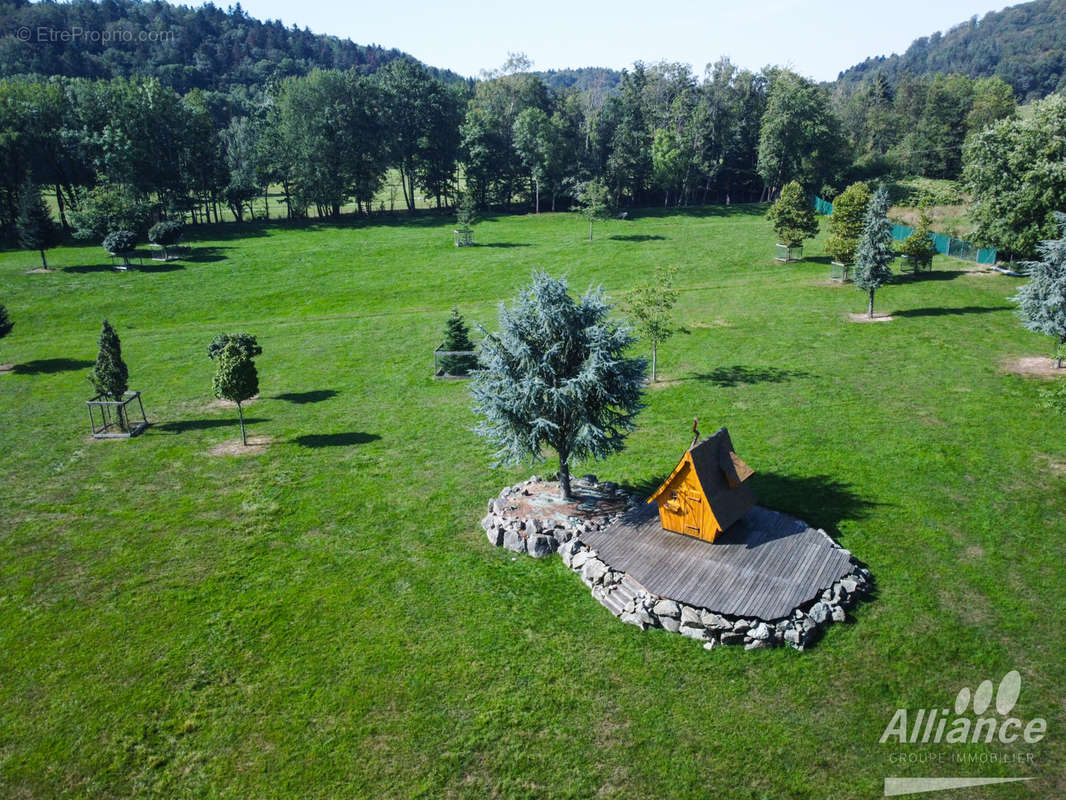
707, 492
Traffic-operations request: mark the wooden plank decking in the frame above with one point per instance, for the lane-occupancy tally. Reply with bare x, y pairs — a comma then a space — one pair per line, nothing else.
764, 566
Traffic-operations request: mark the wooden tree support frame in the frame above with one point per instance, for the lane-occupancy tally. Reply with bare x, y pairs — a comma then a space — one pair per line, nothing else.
464, 237
110, 412
786, 254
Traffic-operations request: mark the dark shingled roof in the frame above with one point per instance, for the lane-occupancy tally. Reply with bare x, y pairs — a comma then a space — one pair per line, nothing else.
722, 476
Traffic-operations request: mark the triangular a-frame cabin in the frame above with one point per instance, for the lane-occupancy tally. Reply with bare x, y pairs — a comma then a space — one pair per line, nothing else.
707, 492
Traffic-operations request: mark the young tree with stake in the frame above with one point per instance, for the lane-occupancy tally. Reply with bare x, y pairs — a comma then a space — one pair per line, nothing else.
236, 379
874, 254
556, 375
1042, 301
651, 305
595, 202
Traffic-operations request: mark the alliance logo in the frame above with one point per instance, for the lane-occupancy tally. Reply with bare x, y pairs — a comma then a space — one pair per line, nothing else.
935, 725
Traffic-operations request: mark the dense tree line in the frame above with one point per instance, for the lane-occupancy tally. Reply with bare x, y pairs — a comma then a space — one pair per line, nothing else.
184, 48
1024, 45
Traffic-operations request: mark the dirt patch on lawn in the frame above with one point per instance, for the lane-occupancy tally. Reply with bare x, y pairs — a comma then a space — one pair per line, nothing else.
1033, 367
6, 368
216, 404
38, 271
544, 500
234, 447
877, 317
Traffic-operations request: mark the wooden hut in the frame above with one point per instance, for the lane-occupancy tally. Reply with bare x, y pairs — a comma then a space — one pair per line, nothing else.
707, 492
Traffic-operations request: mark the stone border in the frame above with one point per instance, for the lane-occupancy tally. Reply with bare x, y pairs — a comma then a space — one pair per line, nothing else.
631, 603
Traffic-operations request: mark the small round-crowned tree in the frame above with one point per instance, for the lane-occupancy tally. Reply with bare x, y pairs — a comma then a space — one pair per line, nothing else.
874, 254
121, 243
248, 344
236, 379
165, 233
1042, 301
556, 375
110, 376
793, 216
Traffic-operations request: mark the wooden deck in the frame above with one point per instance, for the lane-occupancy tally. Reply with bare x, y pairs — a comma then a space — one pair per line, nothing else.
764, 566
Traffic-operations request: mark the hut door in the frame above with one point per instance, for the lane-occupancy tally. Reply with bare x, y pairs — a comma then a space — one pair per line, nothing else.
692, 513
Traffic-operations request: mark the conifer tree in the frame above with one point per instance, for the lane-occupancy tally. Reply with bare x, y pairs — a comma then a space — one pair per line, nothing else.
1042, 301
919, 245
556, 375
793, 216
236, 379
35, 227
110, 377
874, 254
457, 339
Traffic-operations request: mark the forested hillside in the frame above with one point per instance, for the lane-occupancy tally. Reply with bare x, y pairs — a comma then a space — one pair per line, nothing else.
1025, 45
185, 48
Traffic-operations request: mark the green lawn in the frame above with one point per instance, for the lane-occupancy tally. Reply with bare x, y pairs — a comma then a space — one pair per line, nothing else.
327, 620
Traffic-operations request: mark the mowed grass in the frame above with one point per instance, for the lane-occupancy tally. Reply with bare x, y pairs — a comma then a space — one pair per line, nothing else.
326, 619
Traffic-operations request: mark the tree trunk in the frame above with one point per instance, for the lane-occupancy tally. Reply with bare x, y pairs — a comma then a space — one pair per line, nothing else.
590, 230
408, 198
564, 478
654, 353
240, 413
1058, 357
44, 264
266, 203
870, 308
536, 184
62, 209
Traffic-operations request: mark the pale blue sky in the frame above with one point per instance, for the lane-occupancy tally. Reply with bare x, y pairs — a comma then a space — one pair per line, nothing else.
817, 39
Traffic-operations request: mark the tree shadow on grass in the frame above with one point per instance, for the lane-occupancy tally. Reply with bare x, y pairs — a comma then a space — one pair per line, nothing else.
205, 255
819, 500
939, 311
638, 237
738, 374
930, 275
300, 398
502, 244
89, 268
183, 426
159, 266
48, 366
335, 439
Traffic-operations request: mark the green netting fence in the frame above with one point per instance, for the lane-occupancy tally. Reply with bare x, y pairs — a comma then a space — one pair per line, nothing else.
948, 245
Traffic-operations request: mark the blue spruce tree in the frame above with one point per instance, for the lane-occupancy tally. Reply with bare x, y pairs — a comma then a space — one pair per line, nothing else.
556, 375
1042, 301
874, 254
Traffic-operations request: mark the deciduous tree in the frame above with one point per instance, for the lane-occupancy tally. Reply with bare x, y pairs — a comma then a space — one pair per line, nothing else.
236, 379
